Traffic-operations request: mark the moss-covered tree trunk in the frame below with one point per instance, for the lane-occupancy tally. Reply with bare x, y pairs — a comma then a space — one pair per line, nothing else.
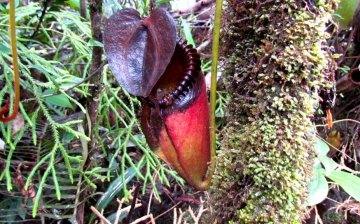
276, 60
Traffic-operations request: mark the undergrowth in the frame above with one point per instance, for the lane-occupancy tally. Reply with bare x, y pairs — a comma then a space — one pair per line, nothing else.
46, 148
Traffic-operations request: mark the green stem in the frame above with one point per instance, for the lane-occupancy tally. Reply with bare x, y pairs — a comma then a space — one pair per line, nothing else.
215, 56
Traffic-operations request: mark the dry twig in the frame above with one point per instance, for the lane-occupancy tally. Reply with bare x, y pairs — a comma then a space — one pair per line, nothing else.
99, 215
152, 221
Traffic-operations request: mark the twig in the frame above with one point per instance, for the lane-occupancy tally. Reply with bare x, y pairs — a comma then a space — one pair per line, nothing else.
174, 216
200, 212
150, 199
338, 121
46, 4
119, 209
166, 211
99, 215
203, 45
155, 177
133, 203
145, 218
127, 209
317, 216
181, 216
192, 215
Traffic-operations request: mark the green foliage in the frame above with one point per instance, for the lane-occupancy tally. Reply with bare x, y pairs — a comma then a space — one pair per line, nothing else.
60, 100
113, 190
349, 182
318, 187
187, 32
75, 4
52, 79
49, 155
222, 100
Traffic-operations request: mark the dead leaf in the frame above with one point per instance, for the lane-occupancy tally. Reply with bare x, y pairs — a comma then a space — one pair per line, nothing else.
18, 123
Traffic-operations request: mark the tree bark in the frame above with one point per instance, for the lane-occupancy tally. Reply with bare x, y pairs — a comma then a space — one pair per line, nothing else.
276, 60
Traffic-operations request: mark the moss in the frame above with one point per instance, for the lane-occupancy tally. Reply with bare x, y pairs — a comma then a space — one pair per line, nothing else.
276, 60
334, 218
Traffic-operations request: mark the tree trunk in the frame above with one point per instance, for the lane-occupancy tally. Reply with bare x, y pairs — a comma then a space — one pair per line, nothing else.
276, 59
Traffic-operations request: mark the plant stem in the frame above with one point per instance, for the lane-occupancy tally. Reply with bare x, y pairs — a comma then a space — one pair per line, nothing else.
14, 56
215, 56
12, 34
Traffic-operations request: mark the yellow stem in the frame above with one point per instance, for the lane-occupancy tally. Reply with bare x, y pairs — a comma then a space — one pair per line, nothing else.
215, 56
12, 35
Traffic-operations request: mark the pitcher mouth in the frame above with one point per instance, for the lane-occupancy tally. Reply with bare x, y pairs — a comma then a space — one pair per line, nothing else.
180, 84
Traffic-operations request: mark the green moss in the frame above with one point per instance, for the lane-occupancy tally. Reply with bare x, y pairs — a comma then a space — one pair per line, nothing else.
276, 60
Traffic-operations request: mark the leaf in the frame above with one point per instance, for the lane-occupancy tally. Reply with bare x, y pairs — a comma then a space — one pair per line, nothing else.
161, 2
94, 43
57, 100
318, 187
329, 164
114, 188
122, 216
4, 49
187, 31
67, 81
75, 4
139, 50
349, 182
321, 148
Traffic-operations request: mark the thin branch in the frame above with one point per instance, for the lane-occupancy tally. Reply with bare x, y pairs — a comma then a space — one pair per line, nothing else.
133, 203
99, 215
150, 199
317, 216
338, 121
118, 213
145, 218
127, 209
165, 211
181, 216
46, 4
